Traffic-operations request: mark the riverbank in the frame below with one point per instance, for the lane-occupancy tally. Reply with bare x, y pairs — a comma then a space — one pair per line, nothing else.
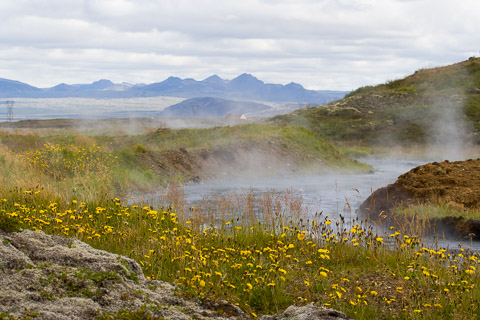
443, 197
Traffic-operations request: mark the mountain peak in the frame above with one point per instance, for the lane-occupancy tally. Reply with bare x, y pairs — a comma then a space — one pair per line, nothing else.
213, 79
246, 81
246, 76
294, 85
102, 84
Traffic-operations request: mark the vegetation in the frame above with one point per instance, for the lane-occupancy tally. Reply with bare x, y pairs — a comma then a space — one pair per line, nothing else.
99, 167
436, 210
259, 252
268, 259
403, 112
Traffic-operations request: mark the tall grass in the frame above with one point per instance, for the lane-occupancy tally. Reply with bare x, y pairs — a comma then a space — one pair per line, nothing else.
260, 252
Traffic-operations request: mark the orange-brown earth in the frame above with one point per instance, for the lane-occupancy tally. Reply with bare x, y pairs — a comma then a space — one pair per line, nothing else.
456, 184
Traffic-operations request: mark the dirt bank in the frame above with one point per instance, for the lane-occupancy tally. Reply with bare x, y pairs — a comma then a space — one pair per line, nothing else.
239, 159
456, 184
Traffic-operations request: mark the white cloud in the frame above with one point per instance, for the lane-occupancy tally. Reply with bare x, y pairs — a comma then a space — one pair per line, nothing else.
321, 44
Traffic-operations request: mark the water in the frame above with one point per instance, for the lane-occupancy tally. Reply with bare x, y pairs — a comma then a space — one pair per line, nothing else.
332, 194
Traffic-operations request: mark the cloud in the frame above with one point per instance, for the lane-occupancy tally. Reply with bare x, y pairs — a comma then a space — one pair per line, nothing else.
321, 44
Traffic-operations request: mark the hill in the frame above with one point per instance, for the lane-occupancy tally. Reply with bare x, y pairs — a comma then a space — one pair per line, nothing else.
438, 106
207, 107
157, 156
11, 88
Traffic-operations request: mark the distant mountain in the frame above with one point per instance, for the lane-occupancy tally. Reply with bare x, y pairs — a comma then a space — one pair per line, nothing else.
244, 87
208, 107
11, 88
99, 89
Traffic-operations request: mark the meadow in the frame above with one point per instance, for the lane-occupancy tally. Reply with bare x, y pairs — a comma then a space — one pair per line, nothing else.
261, 253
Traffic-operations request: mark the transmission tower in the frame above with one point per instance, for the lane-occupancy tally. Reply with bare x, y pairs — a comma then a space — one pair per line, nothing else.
10, 110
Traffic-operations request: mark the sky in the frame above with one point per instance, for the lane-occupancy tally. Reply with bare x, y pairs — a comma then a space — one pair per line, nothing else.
320, 44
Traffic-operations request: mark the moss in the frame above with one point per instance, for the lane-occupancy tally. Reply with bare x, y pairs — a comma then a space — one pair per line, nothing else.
126, 314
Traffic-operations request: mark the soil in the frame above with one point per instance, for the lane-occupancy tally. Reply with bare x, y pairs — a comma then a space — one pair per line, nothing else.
456, 184
239, 159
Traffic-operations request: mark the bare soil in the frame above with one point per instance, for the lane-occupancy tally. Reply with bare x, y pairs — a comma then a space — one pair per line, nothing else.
240, 159
456, 184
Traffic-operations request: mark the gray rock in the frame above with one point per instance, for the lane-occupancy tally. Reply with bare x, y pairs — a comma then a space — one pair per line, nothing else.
51, 277
308, 312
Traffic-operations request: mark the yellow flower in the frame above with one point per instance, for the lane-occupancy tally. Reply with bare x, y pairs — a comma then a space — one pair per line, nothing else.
300, 236
373, 293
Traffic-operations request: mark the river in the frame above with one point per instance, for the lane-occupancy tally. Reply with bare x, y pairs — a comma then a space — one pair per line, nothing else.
328, 193
334, 194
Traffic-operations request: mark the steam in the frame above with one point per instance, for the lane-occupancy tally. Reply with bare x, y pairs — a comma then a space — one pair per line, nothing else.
450, 135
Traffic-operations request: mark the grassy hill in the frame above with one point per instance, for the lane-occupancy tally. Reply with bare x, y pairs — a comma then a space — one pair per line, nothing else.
93, 165
431, 105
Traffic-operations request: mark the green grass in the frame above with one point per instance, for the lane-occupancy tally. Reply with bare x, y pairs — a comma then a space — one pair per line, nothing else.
262, 260
72, 164
432, 211
402, 112
266, 262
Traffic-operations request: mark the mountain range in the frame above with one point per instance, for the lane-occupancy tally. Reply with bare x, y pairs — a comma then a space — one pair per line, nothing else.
243, 87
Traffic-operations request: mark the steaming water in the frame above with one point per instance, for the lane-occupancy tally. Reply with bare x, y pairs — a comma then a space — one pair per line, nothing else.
327, 193
333, 194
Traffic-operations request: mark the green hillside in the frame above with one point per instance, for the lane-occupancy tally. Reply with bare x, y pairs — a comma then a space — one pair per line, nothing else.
110, 165
414, 110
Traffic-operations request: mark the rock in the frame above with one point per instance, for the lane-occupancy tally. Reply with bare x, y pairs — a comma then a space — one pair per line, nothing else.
60, 278
308, 312
50, 277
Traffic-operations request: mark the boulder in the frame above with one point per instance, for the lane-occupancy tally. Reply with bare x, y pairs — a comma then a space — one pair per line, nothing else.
51, 277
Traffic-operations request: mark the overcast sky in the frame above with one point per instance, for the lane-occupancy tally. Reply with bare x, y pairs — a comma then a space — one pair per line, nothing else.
321, 44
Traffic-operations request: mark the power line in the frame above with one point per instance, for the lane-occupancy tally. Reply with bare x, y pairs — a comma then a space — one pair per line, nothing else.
10, 110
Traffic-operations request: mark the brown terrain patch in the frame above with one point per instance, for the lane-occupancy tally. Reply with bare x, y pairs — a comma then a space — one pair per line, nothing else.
239, 159
456, 184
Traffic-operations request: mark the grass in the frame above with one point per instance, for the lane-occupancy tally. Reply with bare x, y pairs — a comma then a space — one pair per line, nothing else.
260, 252
265, 260
71, 164
402, 112
432, 211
